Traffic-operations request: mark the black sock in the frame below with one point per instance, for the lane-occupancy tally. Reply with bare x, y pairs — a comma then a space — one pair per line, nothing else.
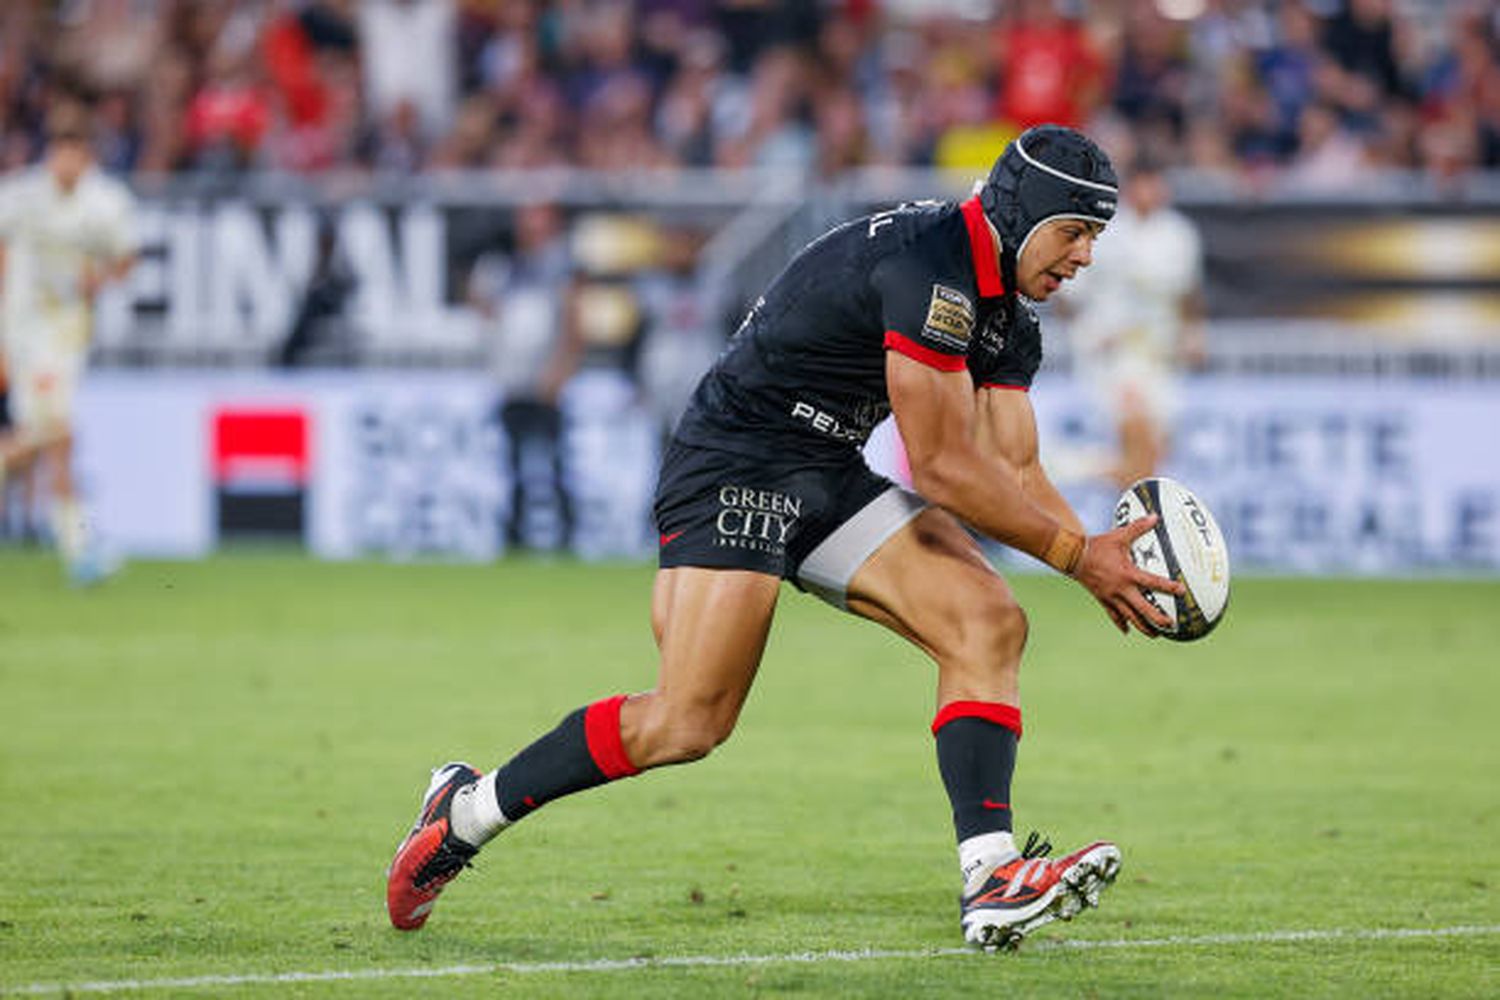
583, 751
976, 751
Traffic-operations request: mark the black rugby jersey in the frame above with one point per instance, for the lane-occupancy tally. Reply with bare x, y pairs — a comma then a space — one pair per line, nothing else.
805, 373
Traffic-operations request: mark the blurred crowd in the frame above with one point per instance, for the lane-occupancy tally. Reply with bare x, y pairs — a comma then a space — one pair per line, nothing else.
1315, 90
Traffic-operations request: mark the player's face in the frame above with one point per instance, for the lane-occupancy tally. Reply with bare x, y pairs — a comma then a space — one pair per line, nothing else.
1058, 250
68, 157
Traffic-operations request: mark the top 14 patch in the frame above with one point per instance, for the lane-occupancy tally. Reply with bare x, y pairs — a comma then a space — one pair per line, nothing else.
950, 318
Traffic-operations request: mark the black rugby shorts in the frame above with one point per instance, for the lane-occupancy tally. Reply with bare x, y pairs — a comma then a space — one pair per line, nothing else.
723, 510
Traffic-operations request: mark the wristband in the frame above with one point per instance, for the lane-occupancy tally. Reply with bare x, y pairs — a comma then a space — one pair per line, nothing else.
1065, 551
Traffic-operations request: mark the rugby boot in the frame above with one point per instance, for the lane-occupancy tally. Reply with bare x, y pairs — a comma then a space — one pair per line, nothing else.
1033, 890
430, 856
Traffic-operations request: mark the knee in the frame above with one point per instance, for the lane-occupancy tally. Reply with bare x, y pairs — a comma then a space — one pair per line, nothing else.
995, 631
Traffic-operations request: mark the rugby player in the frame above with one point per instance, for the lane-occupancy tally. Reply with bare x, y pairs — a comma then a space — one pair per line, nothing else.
66, 230
921, 311
1139, 318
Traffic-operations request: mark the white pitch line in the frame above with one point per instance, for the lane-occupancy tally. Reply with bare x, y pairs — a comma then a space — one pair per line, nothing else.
705, 961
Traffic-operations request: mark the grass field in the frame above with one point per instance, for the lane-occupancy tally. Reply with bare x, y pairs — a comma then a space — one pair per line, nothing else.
205, 766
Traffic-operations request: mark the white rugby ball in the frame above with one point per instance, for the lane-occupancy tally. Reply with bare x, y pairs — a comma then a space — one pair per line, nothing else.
1187, 546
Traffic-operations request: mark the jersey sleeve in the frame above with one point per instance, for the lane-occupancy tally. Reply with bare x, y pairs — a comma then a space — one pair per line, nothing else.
1008, 353
9, 209
926, 318
121, 237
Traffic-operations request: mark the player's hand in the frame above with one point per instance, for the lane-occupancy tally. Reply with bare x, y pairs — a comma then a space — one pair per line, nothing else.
1107, 571
90, 282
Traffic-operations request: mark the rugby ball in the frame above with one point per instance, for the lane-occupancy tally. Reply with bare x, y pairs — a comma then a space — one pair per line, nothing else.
1187, 546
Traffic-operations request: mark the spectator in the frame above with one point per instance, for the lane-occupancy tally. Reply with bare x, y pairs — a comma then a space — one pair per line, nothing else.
618, 123
117, 136
397, 145
228, 116
686, 118
1465, 75
600, 56
899, 117
756, 27
538, 138
1049, 70
842, 139
410, 50
1249, 120
1361, 40
534, 349
1329, 157
164, 145
667, 30
772, 130
957, 96
1151, 84
468, 145
684, 326
400, 86
1289, 70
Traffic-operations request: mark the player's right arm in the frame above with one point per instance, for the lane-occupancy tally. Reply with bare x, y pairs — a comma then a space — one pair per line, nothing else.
7, 223
929, 318
936, 413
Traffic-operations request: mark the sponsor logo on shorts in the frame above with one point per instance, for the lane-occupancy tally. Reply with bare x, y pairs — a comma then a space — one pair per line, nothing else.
950, 317
758, 520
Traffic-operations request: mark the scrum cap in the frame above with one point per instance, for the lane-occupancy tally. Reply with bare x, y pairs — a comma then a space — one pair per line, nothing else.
1048, 172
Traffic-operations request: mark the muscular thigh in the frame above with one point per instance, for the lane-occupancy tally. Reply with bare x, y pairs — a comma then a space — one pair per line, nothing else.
711, 627
931, 583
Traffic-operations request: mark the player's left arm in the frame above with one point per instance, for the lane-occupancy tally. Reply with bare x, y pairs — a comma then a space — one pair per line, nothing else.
1007, 434
118, 249
1192, 312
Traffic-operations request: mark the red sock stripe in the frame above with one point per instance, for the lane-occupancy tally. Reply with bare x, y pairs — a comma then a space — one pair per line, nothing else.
1008, 716
601, 727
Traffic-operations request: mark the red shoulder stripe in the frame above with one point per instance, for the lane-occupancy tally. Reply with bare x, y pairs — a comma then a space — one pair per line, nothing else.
903, 344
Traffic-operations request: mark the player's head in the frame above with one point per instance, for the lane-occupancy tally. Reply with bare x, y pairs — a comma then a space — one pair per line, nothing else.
1051, 179
69, 150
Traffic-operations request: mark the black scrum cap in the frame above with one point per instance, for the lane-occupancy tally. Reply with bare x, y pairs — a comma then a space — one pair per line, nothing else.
1048, 172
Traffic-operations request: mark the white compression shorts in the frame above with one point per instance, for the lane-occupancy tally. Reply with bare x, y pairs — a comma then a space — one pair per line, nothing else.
828, 569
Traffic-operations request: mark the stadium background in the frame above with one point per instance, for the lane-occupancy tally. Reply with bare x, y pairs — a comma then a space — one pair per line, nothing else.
205, 763
1340, 159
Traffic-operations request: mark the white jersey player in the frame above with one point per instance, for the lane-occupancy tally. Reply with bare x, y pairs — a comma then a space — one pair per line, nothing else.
66, 230
1137, 317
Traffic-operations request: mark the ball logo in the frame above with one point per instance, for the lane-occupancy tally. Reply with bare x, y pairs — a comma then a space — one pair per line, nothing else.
1206, 555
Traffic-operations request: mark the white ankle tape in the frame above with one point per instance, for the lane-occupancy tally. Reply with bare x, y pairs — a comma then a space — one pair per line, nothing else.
475, 815
981, 854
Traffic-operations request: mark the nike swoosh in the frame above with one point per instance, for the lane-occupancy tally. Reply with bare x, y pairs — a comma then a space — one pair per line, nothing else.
992, 804
998, 895
669, 539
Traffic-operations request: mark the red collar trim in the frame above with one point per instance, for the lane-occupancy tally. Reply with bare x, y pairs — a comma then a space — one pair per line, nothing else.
984, 248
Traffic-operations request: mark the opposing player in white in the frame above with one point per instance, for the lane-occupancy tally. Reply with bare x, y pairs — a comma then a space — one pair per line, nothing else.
1137, 319
66, 230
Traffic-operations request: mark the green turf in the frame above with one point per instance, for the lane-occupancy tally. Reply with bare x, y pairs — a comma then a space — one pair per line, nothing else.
204, 767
